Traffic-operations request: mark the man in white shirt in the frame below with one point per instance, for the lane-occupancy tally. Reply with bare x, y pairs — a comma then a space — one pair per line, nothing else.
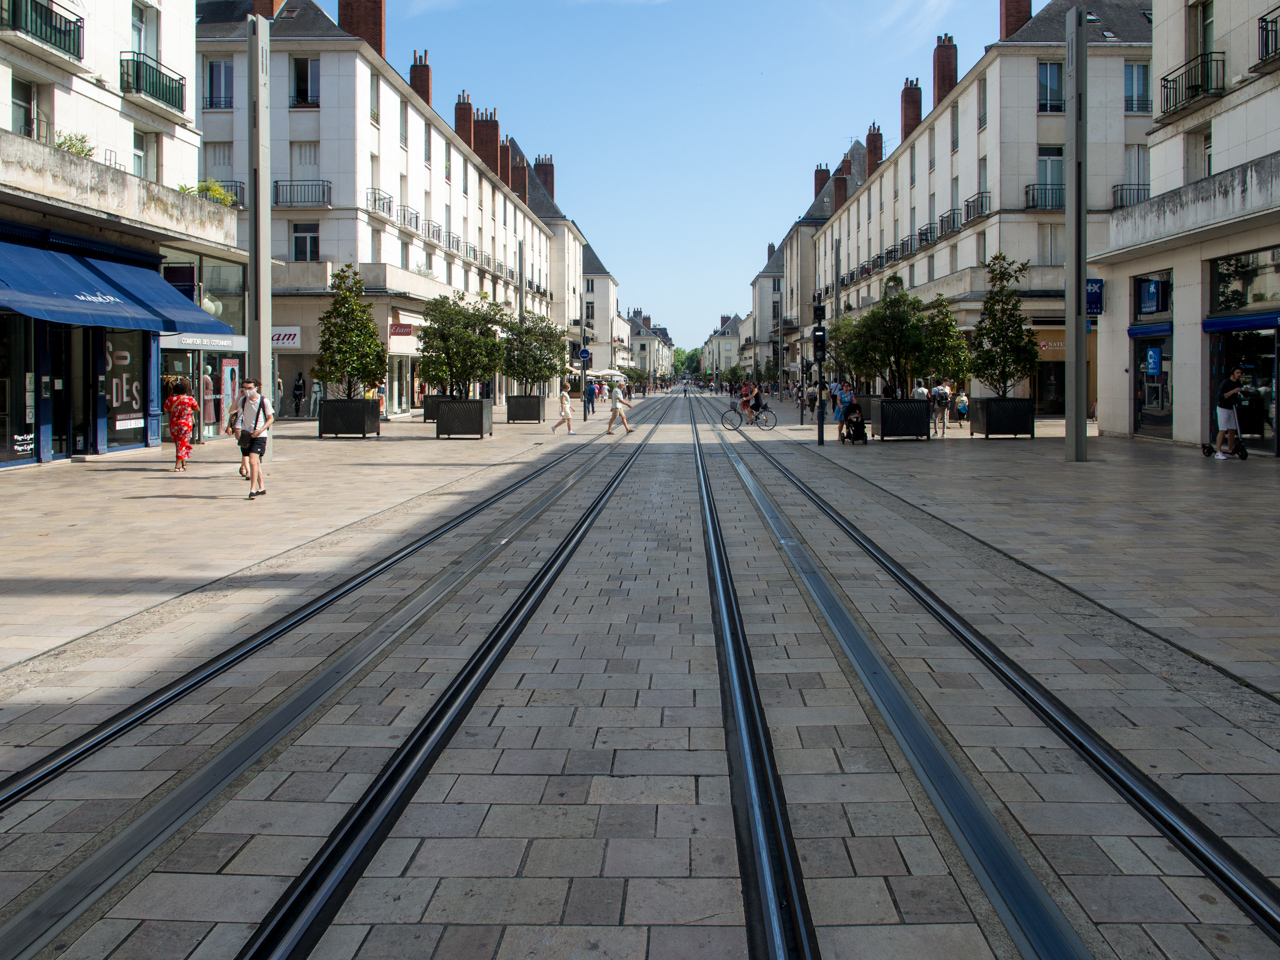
616, 410
940, 399
256, 417
920, 392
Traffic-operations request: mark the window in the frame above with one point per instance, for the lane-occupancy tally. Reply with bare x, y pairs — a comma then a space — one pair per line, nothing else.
929, 264
955, 193
953, 254
1050, 88
465, 167
1137, 164
911, 275
448, 272
1204, 32
306, 82
1049, 165
590, 307
1206, 142
933, 207
777, 285
589, 285
24, 108
139, 154
218, 161
932, 145
911, 163
1052, 245
504, 212
306, 241
981, 242
404, 255
404, 123
375, 98
911, 230
982, 174
777, 309
146, 156
220, 90
1137, 88
448, 162
982, 102
955, 127
426, 145
139, 29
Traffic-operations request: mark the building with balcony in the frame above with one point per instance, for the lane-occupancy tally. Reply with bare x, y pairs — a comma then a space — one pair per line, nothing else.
720, 352
107, 252
365, 171
982, 172
651, 347
1192, 287
765, 327
605, 331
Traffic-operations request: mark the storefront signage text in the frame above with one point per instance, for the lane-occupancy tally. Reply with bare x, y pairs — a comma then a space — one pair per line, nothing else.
286, 338
1093, 297
401, 330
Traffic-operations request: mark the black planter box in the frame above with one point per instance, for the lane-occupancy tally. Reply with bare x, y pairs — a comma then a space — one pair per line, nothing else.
466, 418
897, 418
430, 405
1002, 416
525, 408
349, 416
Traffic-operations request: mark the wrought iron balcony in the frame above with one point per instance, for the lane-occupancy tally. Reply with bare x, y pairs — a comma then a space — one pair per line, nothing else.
979, 205
982, 120
864, 268
817, 296
1051, 105
233, 187
432, 231
453, 242
926, 236
877, 262
1127, 194
1268, 42
1046, 196
408, 217
891, 255
219, 103
379, 201
469, 251
46, 22
146, 75
1198, 78
486, 261
511, 273
949, 223
302, 193
308, 102
906, 247
1137, 104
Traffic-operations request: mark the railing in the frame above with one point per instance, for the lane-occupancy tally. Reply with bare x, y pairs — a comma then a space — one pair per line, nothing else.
408, 217
926, 236
404, 139
486, 261
511, 273
877, 262
453, 242
499, 268
1046, 196
979, 205
302, 193
1202, 76
891, 255
233, 187
1051, 105
39, 132
932, 162
1269, 35
373, 115
432, 231
1137, 104
1127, 194
140, 73
982, 120
379, 201
949, 223
219, 103
469, 251
906, 247
45, 22
955, 140
310, 101
864, 269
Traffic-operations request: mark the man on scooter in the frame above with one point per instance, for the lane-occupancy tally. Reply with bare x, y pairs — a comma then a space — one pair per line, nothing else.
1228, 425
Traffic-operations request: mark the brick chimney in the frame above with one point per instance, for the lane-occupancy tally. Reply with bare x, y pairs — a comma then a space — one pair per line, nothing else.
646, 321
544, 169
366, 19
464, 118
772, 251
910, 107
267, 8
841, 188
945, 60
820, 177
1014, 15
875, 149
504, 161
486, 140
846, 166
520, 179
420, 76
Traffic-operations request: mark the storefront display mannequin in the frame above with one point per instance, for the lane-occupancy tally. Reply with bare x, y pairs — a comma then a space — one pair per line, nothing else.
317, 392
210, 413
299, 392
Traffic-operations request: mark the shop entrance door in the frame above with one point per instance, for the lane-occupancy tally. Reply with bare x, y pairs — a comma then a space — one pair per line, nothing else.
1153, 387
1255, 351
69, 351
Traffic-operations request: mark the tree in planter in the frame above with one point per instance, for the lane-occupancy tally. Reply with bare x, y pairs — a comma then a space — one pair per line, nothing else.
1004, 350
946, 352
459, 343
352, 355
888, 340
533, 352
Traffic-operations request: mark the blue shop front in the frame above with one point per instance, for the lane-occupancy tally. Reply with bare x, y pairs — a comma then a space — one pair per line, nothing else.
81, 328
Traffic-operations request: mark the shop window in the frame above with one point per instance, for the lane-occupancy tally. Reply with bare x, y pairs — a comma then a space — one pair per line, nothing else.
1248, 281
126, 384
223, 290
1153, 297
17, 390
306, 241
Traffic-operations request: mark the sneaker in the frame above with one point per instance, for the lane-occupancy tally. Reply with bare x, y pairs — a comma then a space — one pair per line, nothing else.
572, 434
1220, 456
553, 427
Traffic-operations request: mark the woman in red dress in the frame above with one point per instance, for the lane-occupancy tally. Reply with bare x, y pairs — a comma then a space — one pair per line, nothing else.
181, 408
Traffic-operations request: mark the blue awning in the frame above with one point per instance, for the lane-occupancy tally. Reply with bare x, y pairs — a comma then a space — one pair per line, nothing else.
1242, 321
1150, 330
78, 290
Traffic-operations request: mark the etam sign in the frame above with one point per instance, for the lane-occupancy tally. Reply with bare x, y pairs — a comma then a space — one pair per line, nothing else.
286, 338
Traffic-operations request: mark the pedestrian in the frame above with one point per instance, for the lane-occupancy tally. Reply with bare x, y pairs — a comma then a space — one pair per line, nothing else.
962, 405
181, 408
232, 428
1228, 400
941, 396
566, 409
813, 400
299, 391
616, 412
588, 401
920, 392
256, 417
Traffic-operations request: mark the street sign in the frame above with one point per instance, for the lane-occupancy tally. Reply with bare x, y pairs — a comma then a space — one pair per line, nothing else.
584, 354
1093, 297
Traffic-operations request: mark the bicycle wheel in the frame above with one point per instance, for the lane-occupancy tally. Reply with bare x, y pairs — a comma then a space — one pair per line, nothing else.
731, 419
765, 420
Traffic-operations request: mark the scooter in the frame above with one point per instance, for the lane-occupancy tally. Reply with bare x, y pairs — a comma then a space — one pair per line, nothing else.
1239, 450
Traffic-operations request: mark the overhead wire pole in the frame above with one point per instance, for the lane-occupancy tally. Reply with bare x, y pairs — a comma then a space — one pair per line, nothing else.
1074, 159
259, 286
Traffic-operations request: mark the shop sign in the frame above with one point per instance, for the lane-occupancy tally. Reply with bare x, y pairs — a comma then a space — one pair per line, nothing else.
1151, 297
401, 330
1153, 361
203, 341
286, 338
129, 422
1093, 297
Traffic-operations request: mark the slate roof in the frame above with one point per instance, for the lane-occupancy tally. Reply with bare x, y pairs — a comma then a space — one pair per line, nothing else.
1124, 18
774, 268
224, 19
540, 202
823, 206
591, 265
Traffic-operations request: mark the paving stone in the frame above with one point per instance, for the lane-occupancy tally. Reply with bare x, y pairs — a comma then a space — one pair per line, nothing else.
1128, 900
697, 943
205, 897
595, 901
954, 941
570, 942
850, 900
498, 900
696, 902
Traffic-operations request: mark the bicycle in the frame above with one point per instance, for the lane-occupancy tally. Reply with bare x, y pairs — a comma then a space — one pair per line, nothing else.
765, 419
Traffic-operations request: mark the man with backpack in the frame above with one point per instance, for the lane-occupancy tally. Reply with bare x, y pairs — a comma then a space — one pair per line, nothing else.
941, 397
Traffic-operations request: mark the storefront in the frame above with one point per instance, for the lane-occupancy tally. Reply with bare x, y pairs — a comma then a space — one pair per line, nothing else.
1049, 383
402, 363
1150, 365
80, 345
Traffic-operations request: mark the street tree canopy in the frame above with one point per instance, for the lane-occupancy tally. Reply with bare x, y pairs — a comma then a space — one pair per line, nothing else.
533, 352
459, 342
1004, 349
352, 355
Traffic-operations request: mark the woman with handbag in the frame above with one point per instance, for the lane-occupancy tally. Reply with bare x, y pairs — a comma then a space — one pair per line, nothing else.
181, 408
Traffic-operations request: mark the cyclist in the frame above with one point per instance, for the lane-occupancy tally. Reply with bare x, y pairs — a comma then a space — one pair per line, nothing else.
756, 402
744, 401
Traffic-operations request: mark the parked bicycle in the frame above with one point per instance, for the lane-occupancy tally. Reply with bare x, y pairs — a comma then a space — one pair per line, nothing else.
732, 418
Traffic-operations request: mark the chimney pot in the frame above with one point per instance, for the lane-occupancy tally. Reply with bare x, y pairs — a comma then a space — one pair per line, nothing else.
875, 149
420, 77
820, 177
464, 119
487, 140
544, 169
366, 19
1014, 15
772, 251
911, 105
945, 64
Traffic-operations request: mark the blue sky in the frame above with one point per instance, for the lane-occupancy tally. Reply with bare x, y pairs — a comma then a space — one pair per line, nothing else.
685, 132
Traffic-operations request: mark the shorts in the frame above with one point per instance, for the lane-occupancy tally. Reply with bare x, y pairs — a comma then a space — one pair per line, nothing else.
257, 445
1227, 419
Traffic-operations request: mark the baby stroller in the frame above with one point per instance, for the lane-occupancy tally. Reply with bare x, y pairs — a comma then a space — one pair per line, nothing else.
855, 428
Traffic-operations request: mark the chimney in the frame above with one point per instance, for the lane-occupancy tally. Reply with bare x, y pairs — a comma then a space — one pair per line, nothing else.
487, 139
544, 169
520, 179
504, 161
841, 187
464, 119
420, 76
366, 19
1014, 15
945, 61
645, 321
910, 107
875, 149
820, 177
846, 166
772, 251
267, 8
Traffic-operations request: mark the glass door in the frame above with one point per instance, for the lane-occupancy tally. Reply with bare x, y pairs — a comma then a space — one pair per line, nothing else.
1255, 352
1153, 387
69, 390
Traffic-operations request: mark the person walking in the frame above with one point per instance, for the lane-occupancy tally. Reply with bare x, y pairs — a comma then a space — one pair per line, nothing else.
299, 392
1228, 423
962, 405
256, 417
181, 408
920, 392
588, 401
566, 409
232, 429
941, 396
616, 411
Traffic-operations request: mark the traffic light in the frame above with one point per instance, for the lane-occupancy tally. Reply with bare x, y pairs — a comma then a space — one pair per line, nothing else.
819, 313
819, 343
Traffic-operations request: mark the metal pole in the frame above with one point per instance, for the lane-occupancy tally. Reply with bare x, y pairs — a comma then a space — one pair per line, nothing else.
1074, 160
258, 289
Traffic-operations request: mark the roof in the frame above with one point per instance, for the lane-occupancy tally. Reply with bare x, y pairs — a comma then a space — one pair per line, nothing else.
591, 265
823, 205
225, 20
1123, 18
774, 268
540, 202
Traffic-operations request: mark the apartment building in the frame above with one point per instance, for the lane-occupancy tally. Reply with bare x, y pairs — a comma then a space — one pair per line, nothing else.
1192, 280
766, 316
365, 171
982, 172
604, 330
652, 349
105, 261
720, 351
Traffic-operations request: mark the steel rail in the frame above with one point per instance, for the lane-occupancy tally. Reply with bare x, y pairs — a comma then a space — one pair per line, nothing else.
21, 783
1244, 883
773, 881
1034, 921
298, 919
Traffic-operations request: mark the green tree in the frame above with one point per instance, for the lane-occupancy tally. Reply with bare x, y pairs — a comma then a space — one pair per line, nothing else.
1004, 349
770, 371
459, 343
678, 357
735, 375
533, 352
693, 361
888, 340
352, 355
946, 352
